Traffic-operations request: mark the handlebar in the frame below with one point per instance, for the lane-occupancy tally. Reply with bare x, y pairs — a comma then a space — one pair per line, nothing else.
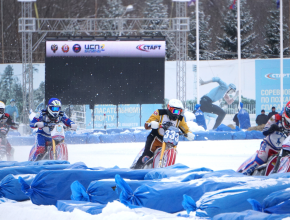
167, 124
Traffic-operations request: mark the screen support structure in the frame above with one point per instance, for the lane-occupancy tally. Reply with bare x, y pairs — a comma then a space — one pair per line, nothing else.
27, 68
175, 30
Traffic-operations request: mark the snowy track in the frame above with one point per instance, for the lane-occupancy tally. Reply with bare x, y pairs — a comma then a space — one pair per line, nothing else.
216, 155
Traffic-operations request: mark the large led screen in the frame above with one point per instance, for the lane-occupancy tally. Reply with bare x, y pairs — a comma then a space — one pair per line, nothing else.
105, 72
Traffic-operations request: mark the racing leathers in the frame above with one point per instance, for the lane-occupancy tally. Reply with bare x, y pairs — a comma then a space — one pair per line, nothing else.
275, 135
155, 138
7, 122
43, 135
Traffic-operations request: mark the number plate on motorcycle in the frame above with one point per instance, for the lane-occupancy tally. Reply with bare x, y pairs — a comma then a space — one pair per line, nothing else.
58, 128
171, 136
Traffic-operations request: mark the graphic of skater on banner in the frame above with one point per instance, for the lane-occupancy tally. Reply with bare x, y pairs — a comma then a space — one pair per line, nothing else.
268, 84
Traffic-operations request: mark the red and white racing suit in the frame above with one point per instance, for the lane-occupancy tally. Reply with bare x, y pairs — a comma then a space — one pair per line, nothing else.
270, 145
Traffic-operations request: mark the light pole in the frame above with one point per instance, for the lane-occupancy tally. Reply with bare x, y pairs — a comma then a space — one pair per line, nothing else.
120, 26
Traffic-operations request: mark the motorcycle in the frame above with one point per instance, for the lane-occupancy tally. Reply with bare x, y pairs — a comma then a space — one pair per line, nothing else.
5, 148
57, 148
277, 163
165, 155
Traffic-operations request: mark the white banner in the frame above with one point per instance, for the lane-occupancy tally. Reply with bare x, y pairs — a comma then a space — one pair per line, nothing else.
144, 49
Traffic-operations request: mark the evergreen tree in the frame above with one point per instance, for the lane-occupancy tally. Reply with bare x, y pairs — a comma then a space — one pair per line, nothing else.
204, 37
6, 82
17, 94
39, 94
156, 9
272, 33
227, 44
113, 9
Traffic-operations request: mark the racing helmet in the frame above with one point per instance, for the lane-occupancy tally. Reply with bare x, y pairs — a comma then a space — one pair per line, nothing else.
174, 109
232, 87
2, 109
286, 116
53, 107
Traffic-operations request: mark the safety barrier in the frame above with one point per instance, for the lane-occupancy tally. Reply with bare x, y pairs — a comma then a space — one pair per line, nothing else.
119, 136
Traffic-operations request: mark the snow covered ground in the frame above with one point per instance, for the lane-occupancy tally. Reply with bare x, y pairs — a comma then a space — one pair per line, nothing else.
216, 155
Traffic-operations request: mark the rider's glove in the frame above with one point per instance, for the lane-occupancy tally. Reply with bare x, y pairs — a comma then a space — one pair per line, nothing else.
16, 125
39, 124
154, 124
73, 126
190, 136
272, 129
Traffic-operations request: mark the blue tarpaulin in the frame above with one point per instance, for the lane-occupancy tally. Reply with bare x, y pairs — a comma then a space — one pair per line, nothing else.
221, 133
30, 169
168, 196
234, 199
102, 191
45, 191
240, 135
223, 127
89, 207
254, 134
249, 215
177, 170
277, 203
26, 163
10, 187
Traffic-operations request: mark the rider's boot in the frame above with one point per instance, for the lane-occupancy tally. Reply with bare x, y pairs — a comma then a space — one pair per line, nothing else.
140, 163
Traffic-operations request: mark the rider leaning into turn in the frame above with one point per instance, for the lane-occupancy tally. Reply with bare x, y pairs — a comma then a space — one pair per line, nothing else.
51, 114
275, 131
6, 122
155, 138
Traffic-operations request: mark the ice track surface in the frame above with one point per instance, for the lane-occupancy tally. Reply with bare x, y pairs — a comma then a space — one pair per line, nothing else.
216, 155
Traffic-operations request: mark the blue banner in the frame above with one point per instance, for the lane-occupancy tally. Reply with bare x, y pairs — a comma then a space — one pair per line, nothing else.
147, 110
268, 84
105, 117
127, 116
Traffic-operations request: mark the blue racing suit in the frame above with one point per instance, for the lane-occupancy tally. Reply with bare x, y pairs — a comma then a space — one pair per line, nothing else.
43, 135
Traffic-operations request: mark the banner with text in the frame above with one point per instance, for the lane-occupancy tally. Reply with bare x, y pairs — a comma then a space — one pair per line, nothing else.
268, 84
127, 116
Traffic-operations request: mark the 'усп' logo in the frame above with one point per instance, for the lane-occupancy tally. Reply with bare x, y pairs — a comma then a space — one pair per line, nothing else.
54, 47
77, 48
147, 48
65, 48
94, 48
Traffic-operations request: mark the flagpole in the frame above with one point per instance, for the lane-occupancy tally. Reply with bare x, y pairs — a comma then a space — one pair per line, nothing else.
281, 53
197, 49
239, 51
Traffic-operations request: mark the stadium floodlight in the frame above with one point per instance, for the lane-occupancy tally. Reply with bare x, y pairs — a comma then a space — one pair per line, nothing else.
128, 9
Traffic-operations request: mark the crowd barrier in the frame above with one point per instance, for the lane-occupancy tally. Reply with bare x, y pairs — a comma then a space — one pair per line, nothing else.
130, 135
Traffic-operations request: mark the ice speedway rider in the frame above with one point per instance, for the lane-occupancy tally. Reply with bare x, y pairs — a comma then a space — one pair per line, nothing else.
6, 122
155, 138
277, 127
52, 114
